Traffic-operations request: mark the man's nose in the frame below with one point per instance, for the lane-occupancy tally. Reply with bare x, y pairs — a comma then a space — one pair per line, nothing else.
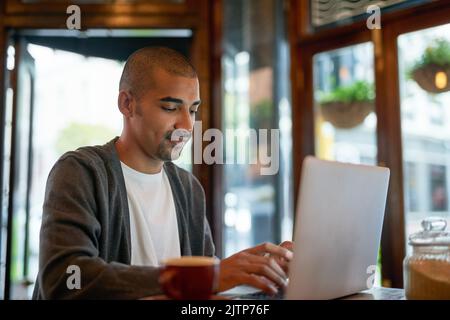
185, 121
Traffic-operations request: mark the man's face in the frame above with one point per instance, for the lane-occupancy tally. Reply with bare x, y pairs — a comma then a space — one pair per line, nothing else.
164, 115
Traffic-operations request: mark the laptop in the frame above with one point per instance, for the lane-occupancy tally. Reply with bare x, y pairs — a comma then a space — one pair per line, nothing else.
337, 233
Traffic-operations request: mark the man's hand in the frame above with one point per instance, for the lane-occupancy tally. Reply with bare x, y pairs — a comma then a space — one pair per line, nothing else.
257, 267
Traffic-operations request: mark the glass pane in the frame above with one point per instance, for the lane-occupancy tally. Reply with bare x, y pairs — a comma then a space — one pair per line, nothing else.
20, 205
424, 60
6, 164
344, 112
345, 121
257, 205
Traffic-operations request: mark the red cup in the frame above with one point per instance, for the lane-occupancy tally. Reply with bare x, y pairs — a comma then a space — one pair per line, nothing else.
189, 277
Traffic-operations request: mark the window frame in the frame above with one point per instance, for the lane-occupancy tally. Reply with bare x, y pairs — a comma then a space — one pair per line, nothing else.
304, 44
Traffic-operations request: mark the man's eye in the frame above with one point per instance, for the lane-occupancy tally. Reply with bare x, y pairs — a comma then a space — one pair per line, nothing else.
169, 109
194, 111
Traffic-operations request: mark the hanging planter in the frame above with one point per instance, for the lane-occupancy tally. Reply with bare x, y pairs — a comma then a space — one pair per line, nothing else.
432, 78
432, 71
347, 107
346, 115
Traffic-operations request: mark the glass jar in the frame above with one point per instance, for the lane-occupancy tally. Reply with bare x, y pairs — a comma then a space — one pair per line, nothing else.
427, 271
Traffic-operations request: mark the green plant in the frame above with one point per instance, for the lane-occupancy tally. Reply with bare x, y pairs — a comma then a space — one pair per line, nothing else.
437, 53
358, 91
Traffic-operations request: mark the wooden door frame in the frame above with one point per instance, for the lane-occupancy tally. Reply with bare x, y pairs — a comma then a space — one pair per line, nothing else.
216, 196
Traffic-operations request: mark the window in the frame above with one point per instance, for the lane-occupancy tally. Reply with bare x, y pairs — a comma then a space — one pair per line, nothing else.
345, 121
6, 165
425, 131
256, 119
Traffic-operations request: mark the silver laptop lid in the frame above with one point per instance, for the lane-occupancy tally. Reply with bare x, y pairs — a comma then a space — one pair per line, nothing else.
338, 227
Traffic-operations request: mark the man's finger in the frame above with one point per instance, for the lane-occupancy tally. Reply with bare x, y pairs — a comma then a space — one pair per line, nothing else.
288, 245
272, 249
276, 266
267, 271
271, 262
260, 283
283, 264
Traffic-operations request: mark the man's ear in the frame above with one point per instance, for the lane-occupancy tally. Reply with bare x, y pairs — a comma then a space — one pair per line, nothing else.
126, 102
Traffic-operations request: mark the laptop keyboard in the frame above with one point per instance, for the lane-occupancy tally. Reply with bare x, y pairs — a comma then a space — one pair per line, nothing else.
260, 295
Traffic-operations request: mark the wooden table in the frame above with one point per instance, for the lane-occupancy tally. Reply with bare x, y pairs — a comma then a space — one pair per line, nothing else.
376, 293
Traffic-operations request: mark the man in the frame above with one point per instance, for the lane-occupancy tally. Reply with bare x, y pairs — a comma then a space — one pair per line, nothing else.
113, 212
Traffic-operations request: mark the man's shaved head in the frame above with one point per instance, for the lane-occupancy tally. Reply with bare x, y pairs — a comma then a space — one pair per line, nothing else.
137, 75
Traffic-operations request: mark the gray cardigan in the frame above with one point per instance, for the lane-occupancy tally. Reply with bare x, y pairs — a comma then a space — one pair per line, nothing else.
86, 223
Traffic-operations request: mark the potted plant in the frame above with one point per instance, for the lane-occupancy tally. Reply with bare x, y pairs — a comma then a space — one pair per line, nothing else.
347, 106
432, 70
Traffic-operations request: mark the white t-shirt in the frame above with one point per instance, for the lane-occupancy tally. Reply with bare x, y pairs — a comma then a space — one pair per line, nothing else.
153, 220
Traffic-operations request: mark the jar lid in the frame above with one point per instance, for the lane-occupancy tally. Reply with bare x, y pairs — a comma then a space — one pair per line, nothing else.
433, 233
